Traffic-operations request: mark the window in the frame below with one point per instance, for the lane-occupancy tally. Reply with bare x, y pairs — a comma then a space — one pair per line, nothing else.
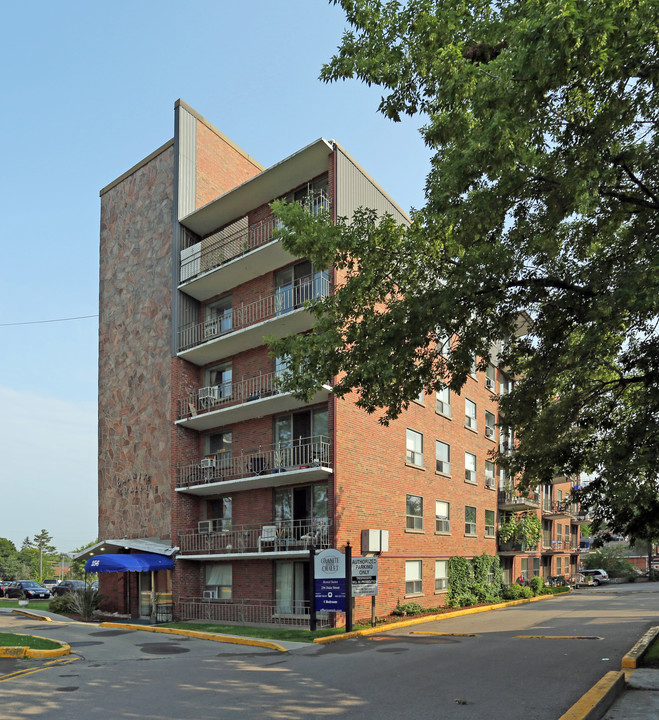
470, 468
506, 385
473, 370
442, 516
559, 534
525, 568
218, 317
505, 440
444, 346
443, 402
442, 457
536, 567
441, 575
470, 414
414, 448
470, 520
567, 535
219, 579
559, 566
296, 284
220, 512
220, 377
421, 397
489, 474
489, 425
414, 512
489, 523
300, 439
413, 582
219, 445
490, 377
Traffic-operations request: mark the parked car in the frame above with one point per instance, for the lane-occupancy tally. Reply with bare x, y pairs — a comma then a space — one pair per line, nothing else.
68, 586
3, 585
49, 584
26, 588
597, 576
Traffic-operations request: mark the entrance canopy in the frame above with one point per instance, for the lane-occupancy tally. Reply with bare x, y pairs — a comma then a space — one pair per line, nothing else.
138, 562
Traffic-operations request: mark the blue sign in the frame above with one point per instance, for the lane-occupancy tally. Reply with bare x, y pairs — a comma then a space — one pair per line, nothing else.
330, 581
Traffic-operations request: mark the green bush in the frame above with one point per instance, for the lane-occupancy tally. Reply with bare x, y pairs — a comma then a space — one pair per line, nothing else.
410, 608
62, 604
536, 583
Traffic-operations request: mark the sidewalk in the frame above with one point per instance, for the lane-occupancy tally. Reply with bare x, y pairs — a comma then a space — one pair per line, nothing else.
640, 699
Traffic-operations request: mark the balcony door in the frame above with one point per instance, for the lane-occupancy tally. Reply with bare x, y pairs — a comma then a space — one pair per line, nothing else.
297, 437
291, 588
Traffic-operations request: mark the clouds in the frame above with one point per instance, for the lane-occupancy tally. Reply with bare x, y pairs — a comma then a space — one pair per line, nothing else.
48, 468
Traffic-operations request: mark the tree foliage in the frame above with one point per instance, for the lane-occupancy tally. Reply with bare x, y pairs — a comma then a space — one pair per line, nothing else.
541, 205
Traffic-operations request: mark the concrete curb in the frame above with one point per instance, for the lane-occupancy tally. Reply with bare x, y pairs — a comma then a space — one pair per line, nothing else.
32, 654
631, 659
595, 703
31, 615
254, 642
431, 618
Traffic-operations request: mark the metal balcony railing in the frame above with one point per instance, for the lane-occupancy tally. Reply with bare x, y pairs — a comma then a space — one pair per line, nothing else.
560, 508
270, 305
276, 535
509, 497
223, 246
263, 460
244, 611
215, 397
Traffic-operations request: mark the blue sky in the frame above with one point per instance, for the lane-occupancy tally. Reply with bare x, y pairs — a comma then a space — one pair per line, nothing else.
88, 90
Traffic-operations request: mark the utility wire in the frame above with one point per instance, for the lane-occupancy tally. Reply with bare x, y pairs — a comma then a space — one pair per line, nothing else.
39, 322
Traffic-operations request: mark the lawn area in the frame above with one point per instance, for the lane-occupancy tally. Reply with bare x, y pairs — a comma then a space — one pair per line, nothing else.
32, 605
651, 657
36, 643
265, 633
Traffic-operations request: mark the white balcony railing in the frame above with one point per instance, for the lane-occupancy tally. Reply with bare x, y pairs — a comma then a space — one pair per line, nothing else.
243, 611
270, 305
263, 460
274, 536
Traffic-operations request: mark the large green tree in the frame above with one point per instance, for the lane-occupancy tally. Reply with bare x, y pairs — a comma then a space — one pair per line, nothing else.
541, 205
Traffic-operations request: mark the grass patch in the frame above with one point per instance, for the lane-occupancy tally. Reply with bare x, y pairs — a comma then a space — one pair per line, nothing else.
36, 643
651, 657
32, 605
265, 633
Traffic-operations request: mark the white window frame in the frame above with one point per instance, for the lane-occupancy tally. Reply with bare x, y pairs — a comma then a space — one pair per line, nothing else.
442, 465
413, 577
441, 575
491, 377
413, 441
219, 577
442, 516
489, 527
471, 464
470, 527
490, 425
413, 520
471, 410
490, 474
443, 402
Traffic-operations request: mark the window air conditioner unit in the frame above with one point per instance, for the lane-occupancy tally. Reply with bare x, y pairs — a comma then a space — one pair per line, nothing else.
211, 328
205, 526
489, 482
489, 383
489, 432
208, 462
209, 393
210, 594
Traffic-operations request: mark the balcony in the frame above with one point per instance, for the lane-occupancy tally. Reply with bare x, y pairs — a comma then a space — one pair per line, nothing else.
280, 312
509, 500
301, 461
559, 546
582, 517
210, 407
245, 611
559, 509
274, 539
514, 547
229, 258
559, 479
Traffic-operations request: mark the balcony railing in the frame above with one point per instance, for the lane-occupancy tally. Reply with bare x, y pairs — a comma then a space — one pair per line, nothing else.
507, 497
274, 536
221, 247
560, 508
218, 396
260, 612
270, 305
559, 546
263, 460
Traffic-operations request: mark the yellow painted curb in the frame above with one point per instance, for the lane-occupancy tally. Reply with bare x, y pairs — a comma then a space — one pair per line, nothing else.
598, 699
32, 616
431, 618
26, 652
631, 659
254, 642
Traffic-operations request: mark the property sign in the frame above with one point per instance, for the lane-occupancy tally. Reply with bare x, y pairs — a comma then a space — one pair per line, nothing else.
330, 581
364, 576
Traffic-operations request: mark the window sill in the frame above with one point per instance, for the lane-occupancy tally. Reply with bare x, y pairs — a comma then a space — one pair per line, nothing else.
442, 474
448, 534
471, 535
441, 592
418, 402
444, 415
491, 439
411, 595
416, 467
490, 537
415, 532
471, 429
471, 482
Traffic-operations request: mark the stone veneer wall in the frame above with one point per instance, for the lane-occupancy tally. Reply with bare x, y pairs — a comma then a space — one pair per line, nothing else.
135, 358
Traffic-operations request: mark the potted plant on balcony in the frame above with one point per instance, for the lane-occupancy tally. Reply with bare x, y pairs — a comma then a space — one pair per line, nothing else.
521, 531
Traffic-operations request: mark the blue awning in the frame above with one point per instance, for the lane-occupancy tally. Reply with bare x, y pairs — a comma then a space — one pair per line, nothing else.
138, 562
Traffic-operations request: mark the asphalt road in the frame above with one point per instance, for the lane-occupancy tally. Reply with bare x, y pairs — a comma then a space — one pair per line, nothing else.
482, 670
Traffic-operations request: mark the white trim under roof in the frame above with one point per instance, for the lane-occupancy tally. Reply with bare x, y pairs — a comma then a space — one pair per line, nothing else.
111, 546
304, 165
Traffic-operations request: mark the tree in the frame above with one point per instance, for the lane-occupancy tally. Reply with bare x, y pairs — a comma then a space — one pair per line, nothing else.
42, 555
537, 238
10, 564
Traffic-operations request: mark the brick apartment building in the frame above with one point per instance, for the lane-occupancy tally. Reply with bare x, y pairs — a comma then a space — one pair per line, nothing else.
204, 459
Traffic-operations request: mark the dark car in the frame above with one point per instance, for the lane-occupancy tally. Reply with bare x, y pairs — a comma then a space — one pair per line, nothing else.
4, 584
26, 588
69, 586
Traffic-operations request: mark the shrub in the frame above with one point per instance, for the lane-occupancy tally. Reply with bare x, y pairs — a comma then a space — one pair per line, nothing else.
86, 601
62, 604
536, 584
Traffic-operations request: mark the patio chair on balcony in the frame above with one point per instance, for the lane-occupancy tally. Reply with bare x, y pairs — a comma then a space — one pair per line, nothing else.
268, 535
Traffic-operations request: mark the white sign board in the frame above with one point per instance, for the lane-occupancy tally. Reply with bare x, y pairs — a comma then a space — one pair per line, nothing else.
364, 576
